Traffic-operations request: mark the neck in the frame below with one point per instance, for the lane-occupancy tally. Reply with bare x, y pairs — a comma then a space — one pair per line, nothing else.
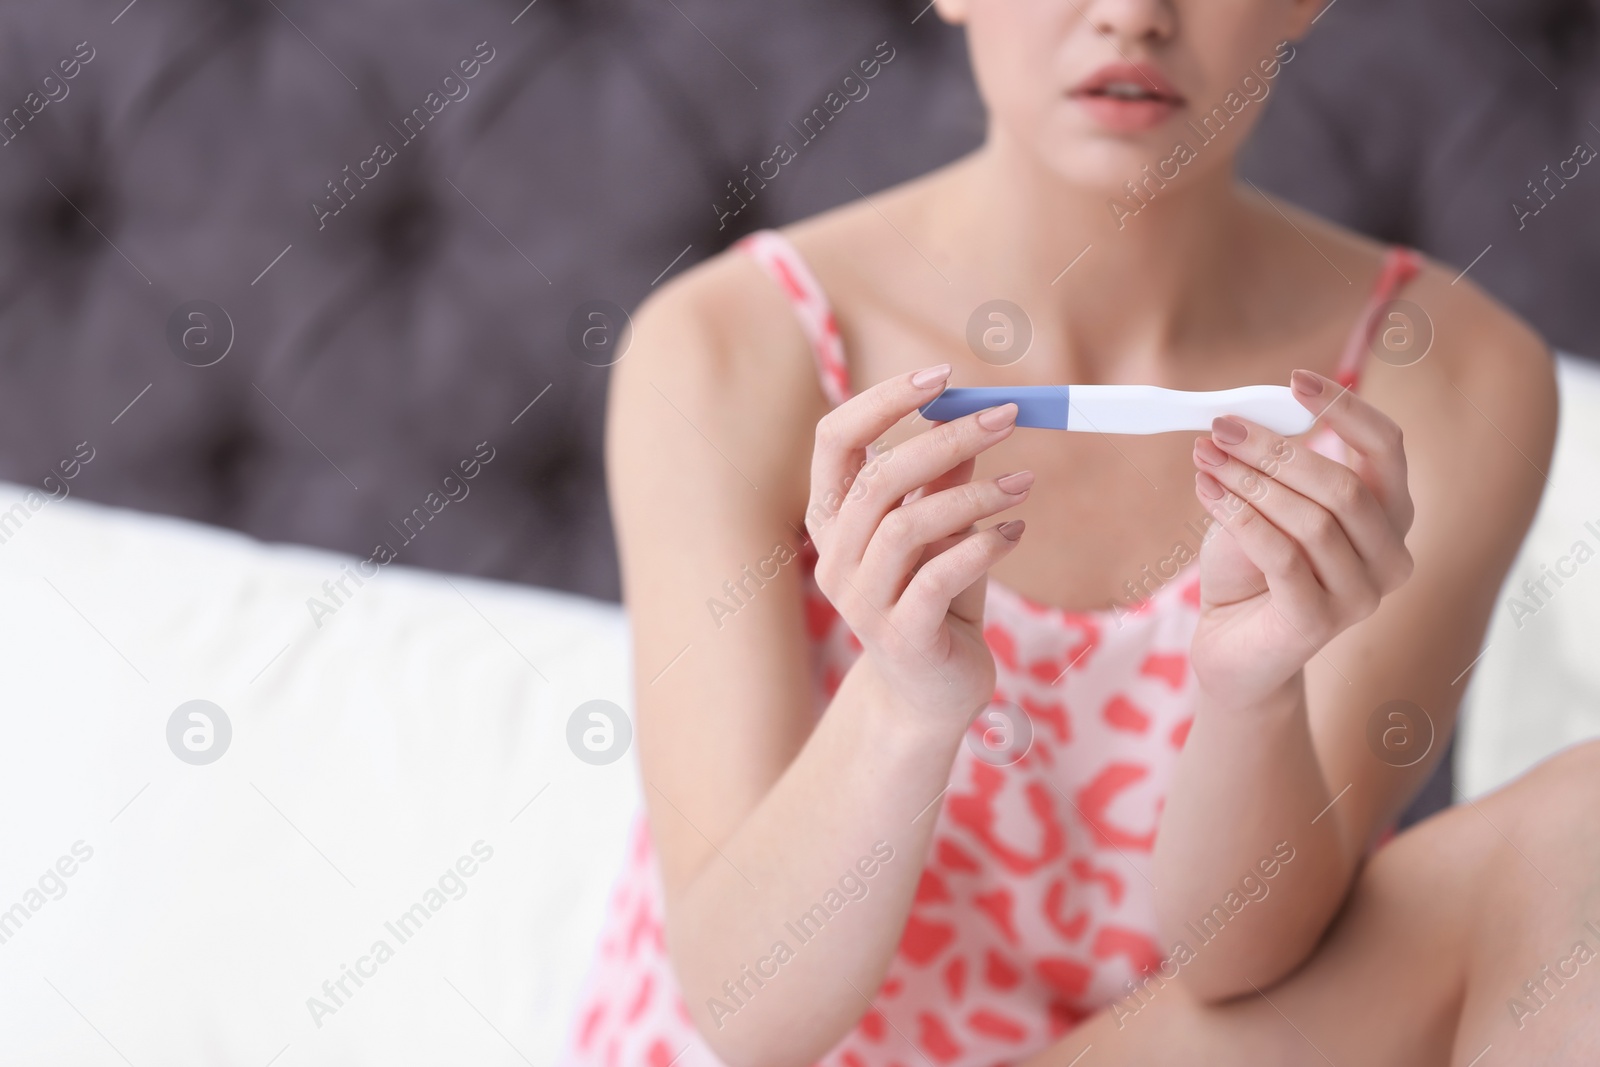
1110, 298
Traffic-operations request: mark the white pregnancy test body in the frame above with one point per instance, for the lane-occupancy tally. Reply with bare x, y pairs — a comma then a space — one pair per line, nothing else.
1132, 409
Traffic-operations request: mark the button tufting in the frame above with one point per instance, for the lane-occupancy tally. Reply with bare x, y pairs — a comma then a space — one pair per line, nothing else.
242, 14
1570, 28
58, 219
407, 227
225, 459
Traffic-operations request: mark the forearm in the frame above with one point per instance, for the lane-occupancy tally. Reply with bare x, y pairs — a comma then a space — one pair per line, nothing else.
867, 778
1249, 782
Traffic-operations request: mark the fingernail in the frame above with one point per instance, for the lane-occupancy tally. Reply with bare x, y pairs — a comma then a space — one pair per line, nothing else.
1208, 453
1209, 487
1303, 381
1016, 484
998, 418
1011, 530
930, 376
1228, 431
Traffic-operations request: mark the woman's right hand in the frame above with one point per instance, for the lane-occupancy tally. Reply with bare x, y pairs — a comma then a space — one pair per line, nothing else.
899, 554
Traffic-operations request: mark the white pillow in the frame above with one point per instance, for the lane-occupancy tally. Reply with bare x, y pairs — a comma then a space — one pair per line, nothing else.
1537, 688
368, 756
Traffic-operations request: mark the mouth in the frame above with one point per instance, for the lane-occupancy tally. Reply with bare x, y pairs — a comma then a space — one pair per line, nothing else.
1128, 96
1125, 91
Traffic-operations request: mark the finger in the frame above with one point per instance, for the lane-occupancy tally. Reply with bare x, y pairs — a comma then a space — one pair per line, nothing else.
967, 604
960, 474
1287, 571
918, 461
1369, 432
1338, 568
904, 536
1371, 530
938, 586
843, 434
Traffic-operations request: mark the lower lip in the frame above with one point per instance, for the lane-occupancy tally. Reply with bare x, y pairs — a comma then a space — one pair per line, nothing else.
1127, 116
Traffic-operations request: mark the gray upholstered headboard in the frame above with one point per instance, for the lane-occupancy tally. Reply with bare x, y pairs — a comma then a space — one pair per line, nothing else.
377, 349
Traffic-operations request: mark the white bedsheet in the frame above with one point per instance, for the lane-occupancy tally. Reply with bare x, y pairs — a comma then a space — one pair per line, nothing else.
367, 757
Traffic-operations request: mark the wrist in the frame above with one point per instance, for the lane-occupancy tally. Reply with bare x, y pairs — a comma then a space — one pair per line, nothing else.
889, 723
1285, 700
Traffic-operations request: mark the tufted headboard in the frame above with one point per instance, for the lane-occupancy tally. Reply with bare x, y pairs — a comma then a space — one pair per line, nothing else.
297, 266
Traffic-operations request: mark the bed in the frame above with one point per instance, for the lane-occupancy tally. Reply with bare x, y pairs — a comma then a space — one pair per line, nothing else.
217, 908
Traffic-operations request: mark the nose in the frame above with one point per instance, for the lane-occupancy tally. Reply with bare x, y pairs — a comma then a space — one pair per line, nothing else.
1147, 21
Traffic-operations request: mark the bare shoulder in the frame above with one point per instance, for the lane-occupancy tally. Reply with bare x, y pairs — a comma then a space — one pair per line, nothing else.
718, 382
724, 321
1460, 367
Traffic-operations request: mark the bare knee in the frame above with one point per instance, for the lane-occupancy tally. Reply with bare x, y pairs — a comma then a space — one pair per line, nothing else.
1541, 826
1541, 819
1581, 758
1563, 789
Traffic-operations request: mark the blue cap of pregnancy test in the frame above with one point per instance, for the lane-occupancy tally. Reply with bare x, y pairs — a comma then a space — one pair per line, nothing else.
1042, 406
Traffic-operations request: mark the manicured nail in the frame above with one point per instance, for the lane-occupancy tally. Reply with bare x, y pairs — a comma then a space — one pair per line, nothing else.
1209, 487
1303, 381
930, 376
1208, 453
998, 418
1016, 484
1011, 530
1228, 431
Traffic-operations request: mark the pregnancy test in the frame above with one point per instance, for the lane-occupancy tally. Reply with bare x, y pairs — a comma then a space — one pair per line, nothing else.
1127, 408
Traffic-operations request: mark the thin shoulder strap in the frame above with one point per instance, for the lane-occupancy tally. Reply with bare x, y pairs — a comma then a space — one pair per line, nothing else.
1400, 265
777, 255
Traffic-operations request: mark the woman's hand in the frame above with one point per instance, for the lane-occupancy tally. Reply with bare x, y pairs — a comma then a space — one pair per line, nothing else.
899, 554
1307, 546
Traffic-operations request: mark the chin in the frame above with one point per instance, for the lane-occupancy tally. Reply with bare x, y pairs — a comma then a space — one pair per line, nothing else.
1101, 162
1126, 167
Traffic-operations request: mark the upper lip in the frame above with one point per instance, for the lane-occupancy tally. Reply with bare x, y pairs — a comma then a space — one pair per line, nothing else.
1146, 76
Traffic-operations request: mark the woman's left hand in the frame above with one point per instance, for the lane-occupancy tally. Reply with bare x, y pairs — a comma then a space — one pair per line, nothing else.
1307, 546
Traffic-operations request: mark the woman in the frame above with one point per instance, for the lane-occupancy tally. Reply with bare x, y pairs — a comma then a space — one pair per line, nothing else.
948, 745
